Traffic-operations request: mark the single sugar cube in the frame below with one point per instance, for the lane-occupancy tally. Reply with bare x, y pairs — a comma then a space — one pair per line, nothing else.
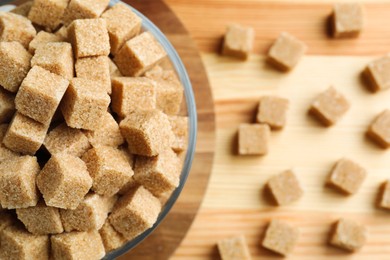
135, 212
17, 243
64, 139
114, 71
379, 130
129, 94
122, 24
158, 174
64, 181
89, 37
347, 176
285, 188
16, 28
286, 52
238, 41
77, 245
84, 9
377, 74
330, 106
23, 9
347, 20
280, 237
40, 94
272, 111
84, 104
41, 39
384, 201
17, 182
234, 248
139, 54
7, 106
112, 239
25, 135
349, 235
108, 134
63, 33
89, 215
109, 168
48, 13
253, 139
14, 65
41, 219
147, 132
179, 126
5, 153
95, 68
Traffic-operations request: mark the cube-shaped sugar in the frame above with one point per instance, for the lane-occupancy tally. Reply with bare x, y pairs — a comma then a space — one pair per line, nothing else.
280, 237
63, 33
347, 20
64, 181
179, 126
41, 39
139, 54
377, 74
234, 248
238, 41
108, 134
112, 239
349, 235
253, 139
40, 94
48, 13
114, 71
16, 28
7, 106
285, 188
23, 9
5, 153
95, 68
273, 111
84, 9
384, 200
379, 130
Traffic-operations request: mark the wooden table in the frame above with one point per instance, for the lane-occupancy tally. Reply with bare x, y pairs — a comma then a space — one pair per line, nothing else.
234, 203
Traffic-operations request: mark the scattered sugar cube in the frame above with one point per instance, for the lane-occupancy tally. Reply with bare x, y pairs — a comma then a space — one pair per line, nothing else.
23, 9
89, 37
234, 248
7, 106
379, 130
112, 239
349, 235
77, 245
84, 104
63, 33
139, 54
14, 65
384, 201
41, 219
285, 188
5, 153
147, 132
41, 39
272, 111
89, 215
135, 212
16, 28
347, 176
95, 68
109, 168
238, 41
114, 71
347, 20
48, 13
24, 135
330, 106
40, 94
64, 181
253, 139
179, 126
286, 52
17, 182
377, 74
129, 94
84, 9
108, 134
280, 237
6, 219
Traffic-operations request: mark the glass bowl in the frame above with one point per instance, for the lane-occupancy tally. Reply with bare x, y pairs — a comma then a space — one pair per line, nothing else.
189, 100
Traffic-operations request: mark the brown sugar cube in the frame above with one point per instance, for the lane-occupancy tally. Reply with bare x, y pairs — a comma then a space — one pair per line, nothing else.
48, 13
64, 181
17, 182
253, 139
5, 153
155, 73
6, 219
147, 132
347, 176
24, 135
41, 39
89, 37
64, 139
158, 174
56, 57
17, 243
77, 245
349, 235
112, 239
329, 106
40, 94
135, 212
116, 17
286, 52
84, 104
16, 28
114, 71
272, 111
108, 134
23, 9
90, 214
379, 130
234, 248
377, 74
139, 54
285, 188
95, 68
63, 33
238, 41
14, 65
84, 9
109, 168
7, 106
384, 200
179, 126
347, 20
41, 219
280, 237
129, 94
